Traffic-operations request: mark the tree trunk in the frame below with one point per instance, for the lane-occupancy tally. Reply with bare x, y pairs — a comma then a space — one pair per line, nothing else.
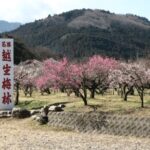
123, 91
141, 94
132, 91
62, 89
17, 94
142, 99
84, 95
92, 95
113, 92
76, 92
31, 91
127, 93
25, 90
48, 91
85, 101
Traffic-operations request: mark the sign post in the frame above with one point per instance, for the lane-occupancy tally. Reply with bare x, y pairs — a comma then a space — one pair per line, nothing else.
6, 74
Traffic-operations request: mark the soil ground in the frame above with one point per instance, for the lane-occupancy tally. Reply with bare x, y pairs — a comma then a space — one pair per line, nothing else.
25, 134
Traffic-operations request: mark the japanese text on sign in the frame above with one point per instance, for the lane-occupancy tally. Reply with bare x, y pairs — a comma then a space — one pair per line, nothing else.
6, 77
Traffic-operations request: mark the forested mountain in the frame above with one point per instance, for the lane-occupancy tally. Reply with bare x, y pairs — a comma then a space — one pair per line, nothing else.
8, 26
21, 52
82, 33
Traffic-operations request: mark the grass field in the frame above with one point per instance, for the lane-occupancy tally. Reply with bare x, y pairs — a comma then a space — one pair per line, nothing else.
108, 103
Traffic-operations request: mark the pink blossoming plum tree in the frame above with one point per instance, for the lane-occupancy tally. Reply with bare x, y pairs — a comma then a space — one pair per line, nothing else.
98, 69
91, 75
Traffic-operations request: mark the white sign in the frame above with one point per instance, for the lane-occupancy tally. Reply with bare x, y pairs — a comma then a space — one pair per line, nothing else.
6, 74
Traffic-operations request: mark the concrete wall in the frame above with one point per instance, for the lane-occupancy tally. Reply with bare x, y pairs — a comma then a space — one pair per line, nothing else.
101, 123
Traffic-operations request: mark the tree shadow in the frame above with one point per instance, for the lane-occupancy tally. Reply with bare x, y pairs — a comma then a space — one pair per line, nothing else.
95, 106
58, 103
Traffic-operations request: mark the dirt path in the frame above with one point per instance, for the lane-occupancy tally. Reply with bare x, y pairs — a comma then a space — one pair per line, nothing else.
22, 135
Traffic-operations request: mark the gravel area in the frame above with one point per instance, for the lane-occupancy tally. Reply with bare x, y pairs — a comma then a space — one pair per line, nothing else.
21, 135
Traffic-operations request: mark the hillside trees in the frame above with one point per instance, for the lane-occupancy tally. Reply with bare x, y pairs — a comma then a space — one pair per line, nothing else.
84, 33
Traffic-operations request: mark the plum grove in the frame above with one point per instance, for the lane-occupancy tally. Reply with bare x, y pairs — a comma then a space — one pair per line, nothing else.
95, 75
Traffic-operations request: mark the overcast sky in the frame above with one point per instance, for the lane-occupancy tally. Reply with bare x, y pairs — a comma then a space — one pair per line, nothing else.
30, 10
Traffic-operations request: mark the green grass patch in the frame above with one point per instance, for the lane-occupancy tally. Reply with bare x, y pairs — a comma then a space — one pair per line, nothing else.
32, 104
107, 103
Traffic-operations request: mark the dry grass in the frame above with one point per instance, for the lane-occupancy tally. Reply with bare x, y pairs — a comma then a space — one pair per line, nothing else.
107, 103
24, 135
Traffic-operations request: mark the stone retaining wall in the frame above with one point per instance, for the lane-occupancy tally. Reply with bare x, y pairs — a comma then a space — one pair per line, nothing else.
101, 123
